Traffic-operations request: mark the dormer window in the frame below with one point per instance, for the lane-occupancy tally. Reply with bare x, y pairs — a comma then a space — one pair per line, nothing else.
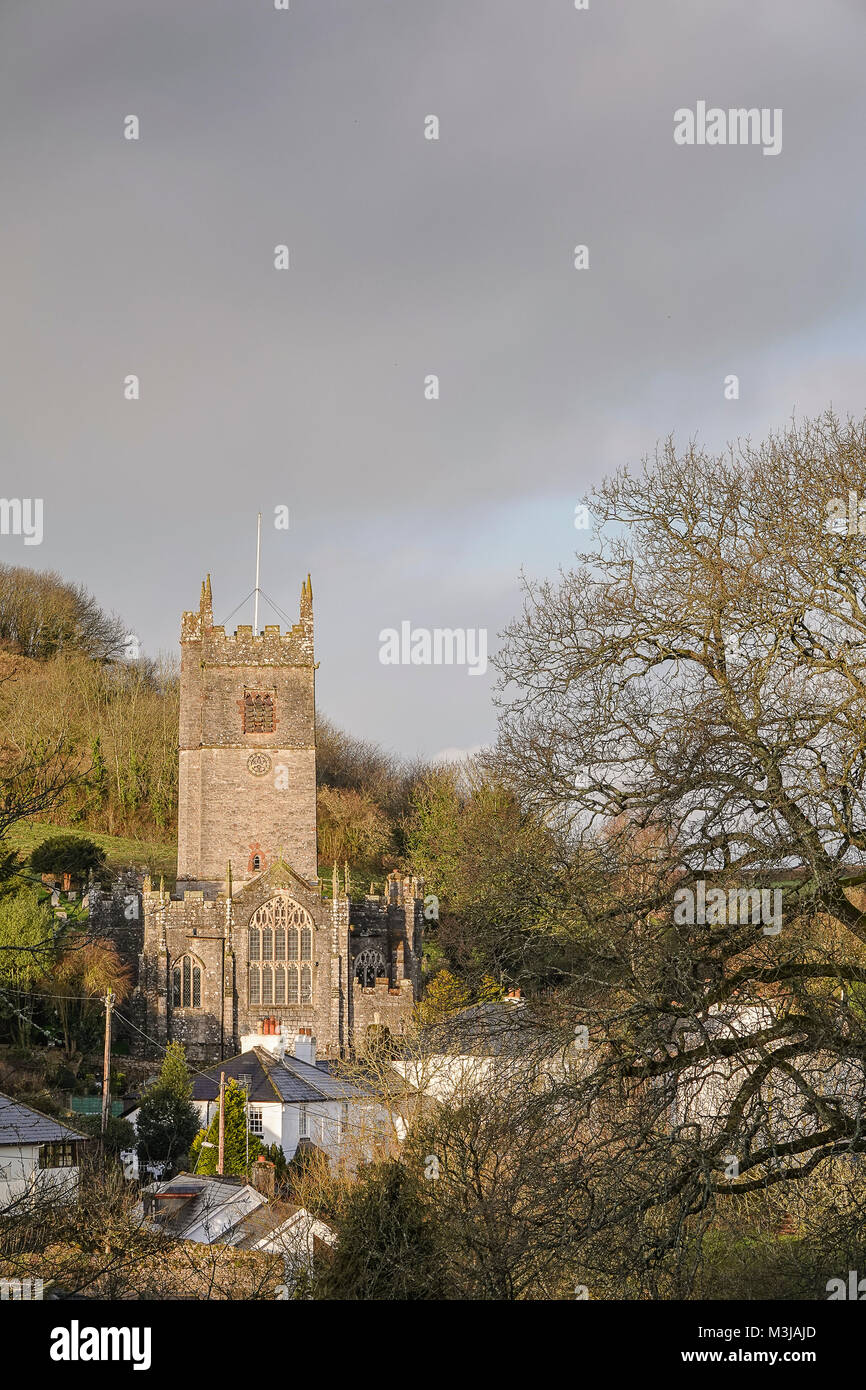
258, 712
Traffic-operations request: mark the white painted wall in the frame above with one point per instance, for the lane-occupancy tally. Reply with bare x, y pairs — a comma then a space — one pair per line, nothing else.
326, 1127
20, 1173
272, 1121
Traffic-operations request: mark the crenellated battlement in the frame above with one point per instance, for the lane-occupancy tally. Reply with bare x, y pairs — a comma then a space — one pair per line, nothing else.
273, 646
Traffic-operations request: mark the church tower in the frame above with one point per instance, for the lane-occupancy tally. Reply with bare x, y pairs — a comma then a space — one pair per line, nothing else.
234, 948
247, 776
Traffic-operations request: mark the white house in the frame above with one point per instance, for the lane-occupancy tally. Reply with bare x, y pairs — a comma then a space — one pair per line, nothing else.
487, 1045
227, 1211
36, 1153
292, 1096
787, 1104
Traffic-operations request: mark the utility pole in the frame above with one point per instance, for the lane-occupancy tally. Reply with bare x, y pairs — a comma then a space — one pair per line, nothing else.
221, 1152
106, 1065
258, 563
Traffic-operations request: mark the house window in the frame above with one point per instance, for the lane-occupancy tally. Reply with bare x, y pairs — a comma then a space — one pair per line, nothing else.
258, 713
303, 1122
256, 1126
57, 1156
257, 861
280, 984
186, 984
255, 985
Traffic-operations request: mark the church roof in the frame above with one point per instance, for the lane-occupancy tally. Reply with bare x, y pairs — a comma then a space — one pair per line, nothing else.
275, 1079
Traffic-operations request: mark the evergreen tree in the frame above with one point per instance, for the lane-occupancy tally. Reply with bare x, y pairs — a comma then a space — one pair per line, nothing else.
26, 952
67, 854
205, 1148
388, 1246
167, 1120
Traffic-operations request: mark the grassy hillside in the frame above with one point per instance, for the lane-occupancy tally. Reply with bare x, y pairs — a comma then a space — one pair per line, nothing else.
121, 853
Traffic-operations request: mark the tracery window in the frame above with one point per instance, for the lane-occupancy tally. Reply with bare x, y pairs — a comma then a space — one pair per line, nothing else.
369, 966
186, 983
280, 953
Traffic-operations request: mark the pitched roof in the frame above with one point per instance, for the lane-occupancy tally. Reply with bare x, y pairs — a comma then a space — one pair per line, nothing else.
272, 1078
263, 1222
491, 1029
199, 1208
21, 1124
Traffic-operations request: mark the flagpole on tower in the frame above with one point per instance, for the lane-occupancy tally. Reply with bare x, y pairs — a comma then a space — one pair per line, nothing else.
258, 564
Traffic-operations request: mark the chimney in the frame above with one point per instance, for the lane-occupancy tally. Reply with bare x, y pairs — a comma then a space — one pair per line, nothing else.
271, 1036
305, 1046
263, 1176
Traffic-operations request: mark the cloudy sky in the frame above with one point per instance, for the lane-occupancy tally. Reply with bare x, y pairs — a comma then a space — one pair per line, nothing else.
409, 257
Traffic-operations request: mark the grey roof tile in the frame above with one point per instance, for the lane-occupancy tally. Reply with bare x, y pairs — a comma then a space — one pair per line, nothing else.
275, 1079
20, 1124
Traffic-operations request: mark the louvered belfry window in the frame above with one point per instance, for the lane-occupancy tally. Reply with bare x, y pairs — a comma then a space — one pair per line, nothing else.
280, 954
258, 712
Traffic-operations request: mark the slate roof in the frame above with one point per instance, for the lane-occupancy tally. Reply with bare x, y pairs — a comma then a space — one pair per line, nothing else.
268, 1221
203, 1209
493, 1029
20, 1124
275, 1079
262, 1222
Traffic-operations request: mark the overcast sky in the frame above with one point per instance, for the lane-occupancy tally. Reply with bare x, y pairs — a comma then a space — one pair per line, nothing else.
408, 257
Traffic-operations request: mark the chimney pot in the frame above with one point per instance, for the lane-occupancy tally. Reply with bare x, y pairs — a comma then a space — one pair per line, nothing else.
305, 1046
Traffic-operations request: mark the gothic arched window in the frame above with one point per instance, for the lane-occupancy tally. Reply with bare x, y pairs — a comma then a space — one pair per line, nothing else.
280, 953
369, 967
186, 983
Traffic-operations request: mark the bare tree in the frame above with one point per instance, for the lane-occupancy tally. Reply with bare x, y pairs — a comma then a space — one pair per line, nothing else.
687, 708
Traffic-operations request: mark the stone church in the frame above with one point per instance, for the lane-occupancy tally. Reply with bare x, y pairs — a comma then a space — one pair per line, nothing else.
249, 937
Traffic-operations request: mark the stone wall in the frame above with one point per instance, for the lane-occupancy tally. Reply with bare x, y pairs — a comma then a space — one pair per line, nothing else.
243, 794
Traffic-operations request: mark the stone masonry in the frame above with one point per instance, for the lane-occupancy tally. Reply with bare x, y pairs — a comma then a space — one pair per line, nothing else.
250, 933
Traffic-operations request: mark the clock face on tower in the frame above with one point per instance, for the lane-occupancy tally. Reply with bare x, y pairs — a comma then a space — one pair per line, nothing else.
258, 764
